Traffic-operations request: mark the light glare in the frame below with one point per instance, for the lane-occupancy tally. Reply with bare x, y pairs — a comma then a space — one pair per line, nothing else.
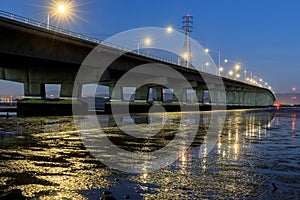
62, 11
62, 8
237, 67
147, 41
170, 29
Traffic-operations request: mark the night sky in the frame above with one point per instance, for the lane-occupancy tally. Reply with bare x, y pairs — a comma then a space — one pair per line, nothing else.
263, 35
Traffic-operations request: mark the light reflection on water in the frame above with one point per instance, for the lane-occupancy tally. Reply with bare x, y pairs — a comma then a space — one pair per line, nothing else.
44, 158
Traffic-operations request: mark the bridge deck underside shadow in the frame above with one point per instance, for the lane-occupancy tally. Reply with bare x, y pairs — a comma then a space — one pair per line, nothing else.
35, 57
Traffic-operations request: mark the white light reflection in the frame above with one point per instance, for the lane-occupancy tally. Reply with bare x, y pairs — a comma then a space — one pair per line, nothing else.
253, 127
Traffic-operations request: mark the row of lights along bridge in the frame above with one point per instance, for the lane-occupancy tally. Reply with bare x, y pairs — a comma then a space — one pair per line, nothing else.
237, 71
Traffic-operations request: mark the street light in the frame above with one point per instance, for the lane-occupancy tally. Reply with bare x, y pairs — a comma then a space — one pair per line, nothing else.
237, 68
230, 73
169, 29
186, 56
219, 59
221, 69
60, 9
245, 75
147, 42
205, 64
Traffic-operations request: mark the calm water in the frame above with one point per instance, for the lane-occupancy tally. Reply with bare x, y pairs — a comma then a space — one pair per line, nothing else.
44, 158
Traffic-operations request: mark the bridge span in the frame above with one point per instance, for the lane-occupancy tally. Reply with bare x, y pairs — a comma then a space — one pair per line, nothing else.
36, 56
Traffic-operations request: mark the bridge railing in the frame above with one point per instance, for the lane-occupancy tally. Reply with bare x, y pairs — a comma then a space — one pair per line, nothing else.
49, 27
56, 29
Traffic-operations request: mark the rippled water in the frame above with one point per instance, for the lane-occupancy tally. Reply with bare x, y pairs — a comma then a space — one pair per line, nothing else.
44, 158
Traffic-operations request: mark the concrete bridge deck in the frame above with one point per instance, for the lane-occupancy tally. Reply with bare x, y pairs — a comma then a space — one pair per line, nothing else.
35, 56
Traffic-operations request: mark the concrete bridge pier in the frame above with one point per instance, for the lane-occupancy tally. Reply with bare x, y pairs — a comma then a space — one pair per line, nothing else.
34, 89
250, 98
263, 99
37, 89
179, 94
142, 93
199, 94
38, 104
157, 93
230, 96
115, 93
238, 97
217, 95
67, 89
220, 97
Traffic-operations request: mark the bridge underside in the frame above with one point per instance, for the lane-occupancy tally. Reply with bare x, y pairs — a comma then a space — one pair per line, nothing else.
35, 73
36, 57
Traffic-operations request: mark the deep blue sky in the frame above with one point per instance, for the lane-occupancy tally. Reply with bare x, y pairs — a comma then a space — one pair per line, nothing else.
264, 35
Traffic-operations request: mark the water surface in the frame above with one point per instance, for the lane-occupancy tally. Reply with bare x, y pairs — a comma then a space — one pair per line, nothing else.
44, 158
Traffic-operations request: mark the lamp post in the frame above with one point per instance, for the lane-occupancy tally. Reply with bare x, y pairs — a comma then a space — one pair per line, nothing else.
245, 75
219, 59
205, 64
221, 69
237, 68
230, 73
187, 25
147, 41
60, 9
48, 21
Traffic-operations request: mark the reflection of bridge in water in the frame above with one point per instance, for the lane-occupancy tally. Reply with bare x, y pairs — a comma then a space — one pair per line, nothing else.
36, 56
245, 136
169, 124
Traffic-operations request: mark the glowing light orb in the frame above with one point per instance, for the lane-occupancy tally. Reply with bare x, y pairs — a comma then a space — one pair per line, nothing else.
62, 8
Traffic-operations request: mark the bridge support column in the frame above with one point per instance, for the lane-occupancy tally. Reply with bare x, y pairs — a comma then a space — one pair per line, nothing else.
221, 96
115, 93
248, 97
157, 93
33, 89
213, 96
217, 96
245, 98
269, 99
237, 97
181, 95
199, 94
230, 95
242, 97
142, 93
263, 99
67, 90
252, 98
259, 99
43, 90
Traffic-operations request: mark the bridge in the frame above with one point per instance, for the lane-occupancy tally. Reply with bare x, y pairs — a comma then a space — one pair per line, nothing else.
36, 55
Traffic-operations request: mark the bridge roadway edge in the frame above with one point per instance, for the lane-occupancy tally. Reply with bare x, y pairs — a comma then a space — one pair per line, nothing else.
63, 108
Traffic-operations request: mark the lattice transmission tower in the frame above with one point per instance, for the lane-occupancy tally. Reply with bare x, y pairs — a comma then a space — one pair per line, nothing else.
187, 26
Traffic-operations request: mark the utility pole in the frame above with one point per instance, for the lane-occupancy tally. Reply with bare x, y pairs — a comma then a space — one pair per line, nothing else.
187, 26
